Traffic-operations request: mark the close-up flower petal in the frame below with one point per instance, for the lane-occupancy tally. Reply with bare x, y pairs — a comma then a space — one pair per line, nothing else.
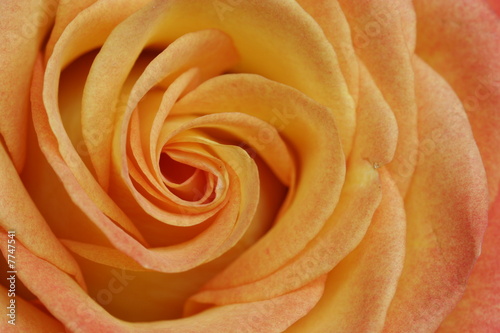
252, 166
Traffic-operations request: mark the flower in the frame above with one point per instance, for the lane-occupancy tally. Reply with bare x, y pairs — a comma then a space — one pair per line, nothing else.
250, 166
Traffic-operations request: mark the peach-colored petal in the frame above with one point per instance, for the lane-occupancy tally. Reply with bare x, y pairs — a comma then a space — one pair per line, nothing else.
23, 26
78, 312
479, 309
377, 131
169, 290
103, 255
446, 210
28, 318
76, 25
460, 41
19, 213
383, 34
495, 5
359, 290
54, 154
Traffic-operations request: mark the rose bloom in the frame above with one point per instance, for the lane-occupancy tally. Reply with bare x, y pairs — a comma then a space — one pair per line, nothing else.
250, 166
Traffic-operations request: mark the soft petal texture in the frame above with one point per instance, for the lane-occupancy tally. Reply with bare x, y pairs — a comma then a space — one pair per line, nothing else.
360, 138
23, 25
495, 5
28, 317
446, 209
78, 312
462, 45
479, 309
460, 40
19, 213
360, 288
340, 235
383, 35
332, 20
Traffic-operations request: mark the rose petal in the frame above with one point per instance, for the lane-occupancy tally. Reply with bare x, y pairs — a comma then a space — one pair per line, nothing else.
446, 209
495, 5
28, 317
77, 311
460, 41
19, 213
265, 31
340, 235
478, 310
23, 27
359, 290
329, 15
383, 35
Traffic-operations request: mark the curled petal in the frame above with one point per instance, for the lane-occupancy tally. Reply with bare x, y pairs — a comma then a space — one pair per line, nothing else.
77, 311
28, 317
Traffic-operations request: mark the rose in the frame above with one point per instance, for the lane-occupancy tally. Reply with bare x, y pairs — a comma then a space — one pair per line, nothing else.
363, 170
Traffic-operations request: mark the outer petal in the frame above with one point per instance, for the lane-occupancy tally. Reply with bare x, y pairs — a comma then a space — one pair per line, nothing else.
19, 213
79, 313
28, 317
23, 25
495, 5
479, 309
460, 40
446, 209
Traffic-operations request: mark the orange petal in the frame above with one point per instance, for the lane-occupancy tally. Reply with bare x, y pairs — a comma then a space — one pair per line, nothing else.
76, 310
23, 28
328, 14
383, 34
478, 310
446, 209
460, 41
28, 318
495, 5
19, 213
359, 290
